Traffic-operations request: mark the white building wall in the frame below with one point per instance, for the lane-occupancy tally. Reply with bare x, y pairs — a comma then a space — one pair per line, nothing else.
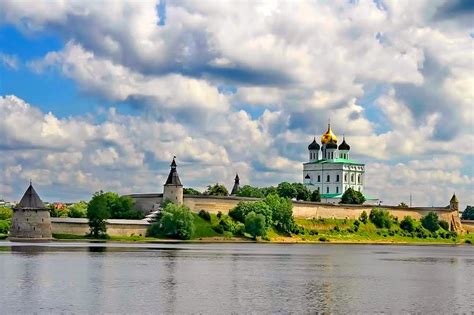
348, 177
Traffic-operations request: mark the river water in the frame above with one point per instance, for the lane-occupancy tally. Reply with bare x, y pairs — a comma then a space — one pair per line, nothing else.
235, 278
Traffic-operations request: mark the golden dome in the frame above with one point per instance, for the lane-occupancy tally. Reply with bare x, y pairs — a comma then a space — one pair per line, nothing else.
329, 136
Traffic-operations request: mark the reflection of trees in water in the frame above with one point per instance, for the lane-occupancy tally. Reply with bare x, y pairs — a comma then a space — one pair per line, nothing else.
169, 283
95, 269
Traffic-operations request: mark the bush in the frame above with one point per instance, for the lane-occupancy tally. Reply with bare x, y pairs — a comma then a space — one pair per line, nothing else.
444, 225
219, 214
363, 217
218, 228
408, 224
176, 221
356, 223
380, 218
255, 224
322, 239
250, 191
6, 213
243, 208
468, 213
5, 226
468, 242
282, 213
216, 190
316, 196
286, 190
352, 196
430, 222
191, 191
205, 215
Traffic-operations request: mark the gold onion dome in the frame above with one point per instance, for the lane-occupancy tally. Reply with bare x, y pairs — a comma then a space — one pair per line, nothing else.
329, 136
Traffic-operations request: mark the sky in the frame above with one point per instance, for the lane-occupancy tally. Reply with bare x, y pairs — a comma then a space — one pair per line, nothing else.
100, 95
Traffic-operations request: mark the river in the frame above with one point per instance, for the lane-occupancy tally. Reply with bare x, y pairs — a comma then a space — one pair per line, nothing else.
235, 278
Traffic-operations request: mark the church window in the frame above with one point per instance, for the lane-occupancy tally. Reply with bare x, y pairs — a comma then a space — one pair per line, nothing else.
337, 190
328, 178
352, 178
319, 178
345, 177
358, 178
337, 178
327, 190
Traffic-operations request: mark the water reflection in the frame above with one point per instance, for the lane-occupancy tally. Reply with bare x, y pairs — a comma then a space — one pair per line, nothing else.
234, 278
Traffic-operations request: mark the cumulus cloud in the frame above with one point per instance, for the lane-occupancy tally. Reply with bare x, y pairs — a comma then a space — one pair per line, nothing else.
244, 87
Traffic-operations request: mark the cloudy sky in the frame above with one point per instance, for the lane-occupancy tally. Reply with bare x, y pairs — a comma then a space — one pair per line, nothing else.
101, 94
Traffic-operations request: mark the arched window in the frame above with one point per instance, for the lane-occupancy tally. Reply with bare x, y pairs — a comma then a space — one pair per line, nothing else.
319, 178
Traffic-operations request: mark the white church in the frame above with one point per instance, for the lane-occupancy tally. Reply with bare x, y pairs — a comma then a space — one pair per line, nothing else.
331, 170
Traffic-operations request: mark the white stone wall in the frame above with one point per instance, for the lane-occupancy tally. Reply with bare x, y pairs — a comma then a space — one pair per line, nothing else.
173, 193
33, 224
341, 177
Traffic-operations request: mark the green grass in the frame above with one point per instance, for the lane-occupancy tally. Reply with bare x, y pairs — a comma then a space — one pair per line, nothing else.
203, 228
367, 233
3, 236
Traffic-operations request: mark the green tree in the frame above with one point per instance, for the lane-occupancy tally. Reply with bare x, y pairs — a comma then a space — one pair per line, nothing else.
352, 196
269, 190
176, 221
282, 213
286, 190
444, 224
78, 210
6, 213
381, 218
121, 207
430, 222
250, 191
316, 196
255, 224
216, 190
191, 191
468, 213
245, 207
402, 205
97, 213
408, 224
302, 192
364, 217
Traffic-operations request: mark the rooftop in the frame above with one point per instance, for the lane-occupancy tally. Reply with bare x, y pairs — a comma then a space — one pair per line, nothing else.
336, 161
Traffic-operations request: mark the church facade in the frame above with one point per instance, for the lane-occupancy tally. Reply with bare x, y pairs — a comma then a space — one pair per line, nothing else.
331, 170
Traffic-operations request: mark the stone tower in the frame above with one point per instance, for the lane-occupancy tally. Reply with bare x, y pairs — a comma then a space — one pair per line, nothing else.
31, 220
454, 203
236, 187
173, 189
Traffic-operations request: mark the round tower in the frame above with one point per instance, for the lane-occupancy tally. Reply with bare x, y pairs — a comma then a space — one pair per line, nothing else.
173, 189
31, 220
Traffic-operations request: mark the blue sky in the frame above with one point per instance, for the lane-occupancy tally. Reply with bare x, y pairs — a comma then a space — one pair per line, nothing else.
102, 95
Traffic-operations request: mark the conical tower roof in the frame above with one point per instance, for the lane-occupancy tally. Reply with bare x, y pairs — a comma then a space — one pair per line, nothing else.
30, 200
173, 178
454, 199
236, 187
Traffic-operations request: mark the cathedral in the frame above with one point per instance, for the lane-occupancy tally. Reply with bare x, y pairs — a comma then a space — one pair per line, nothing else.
331, 170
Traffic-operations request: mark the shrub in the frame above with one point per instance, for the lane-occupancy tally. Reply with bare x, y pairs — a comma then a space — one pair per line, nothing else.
255, 224
356, 223
315, 196
191, 191
352, 196
5, 226
364, 217
408, 224
313, 232
430, 222
176, 221
216, 190
282, 213
219, 214
468, 242
243, 208
6, 213
205, 215
218, 228
322, 239
336, 229
444, 225
381, 218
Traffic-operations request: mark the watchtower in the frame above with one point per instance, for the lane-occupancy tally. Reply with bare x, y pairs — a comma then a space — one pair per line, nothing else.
173, 189
31, 219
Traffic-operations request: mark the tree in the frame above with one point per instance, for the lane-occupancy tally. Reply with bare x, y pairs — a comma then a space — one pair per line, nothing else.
286, 190
408, 224
176, 221
250, 191
98, 213
430, 222
255, 224
121, 207
302, 192
6, 213
282, 213
381, 218
468, 213
245, 207
363, 217
191, 191
352, 196
402, 205
78, 210
316, 196
269, 190
216, 190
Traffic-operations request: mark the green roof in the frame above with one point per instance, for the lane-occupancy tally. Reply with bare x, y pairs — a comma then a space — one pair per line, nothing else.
335, 161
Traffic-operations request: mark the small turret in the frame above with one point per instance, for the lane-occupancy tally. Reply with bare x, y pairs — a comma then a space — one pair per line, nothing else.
236, 187
313, 149
173, 189
454, 203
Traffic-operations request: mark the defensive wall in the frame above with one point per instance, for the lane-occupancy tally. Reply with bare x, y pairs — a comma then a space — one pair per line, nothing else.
115, 227
468, 225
